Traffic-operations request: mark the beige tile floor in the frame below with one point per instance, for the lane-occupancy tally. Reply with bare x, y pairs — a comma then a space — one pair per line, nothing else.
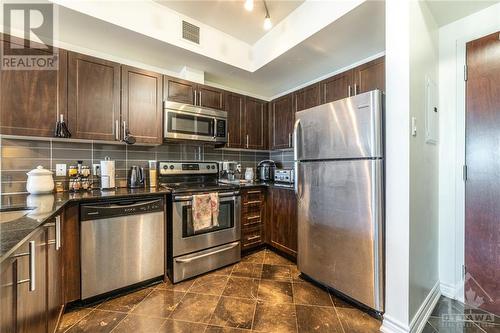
263, 293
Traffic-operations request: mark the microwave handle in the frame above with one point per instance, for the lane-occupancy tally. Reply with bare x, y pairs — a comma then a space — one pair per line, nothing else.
215, 128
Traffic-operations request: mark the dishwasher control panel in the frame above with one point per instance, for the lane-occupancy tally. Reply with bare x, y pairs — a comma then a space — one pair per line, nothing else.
101, 210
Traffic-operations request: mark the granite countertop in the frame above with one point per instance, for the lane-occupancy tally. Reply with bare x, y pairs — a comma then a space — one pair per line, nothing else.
15, 232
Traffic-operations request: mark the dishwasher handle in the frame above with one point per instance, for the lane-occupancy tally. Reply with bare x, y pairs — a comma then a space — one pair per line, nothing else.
115, 209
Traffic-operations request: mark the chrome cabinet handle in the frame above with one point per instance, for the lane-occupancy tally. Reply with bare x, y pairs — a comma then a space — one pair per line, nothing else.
124, 129
247, 140
58, 232
349, 91
195, 97
355, 89
228, 137
32, 268
253, 192
199, 97
117, 130
252, 238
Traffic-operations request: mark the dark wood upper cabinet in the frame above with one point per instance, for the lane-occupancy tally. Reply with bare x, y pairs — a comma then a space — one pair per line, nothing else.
141, 107
235, 107
93, 98
370, 76
31, 100
283, 224
282, 118
337, 87
187, 92
178, 90
210, 97
255, 123
307, 97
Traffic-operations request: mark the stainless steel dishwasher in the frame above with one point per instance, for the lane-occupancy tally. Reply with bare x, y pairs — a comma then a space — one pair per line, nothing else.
122, 243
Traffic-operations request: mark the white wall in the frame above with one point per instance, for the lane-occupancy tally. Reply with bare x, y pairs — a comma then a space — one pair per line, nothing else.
424, 275
452, 39
397, 164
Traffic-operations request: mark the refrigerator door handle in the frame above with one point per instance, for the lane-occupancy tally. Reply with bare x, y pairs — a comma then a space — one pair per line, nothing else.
296, 181
296, 140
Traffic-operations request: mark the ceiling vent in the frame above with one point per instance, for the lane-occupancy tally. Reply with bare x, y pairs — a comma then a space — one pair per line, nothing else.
190, 32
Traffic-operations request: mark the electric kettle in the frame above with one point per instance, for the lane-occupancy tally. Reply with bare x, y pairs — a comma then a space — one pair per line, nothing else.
136, 177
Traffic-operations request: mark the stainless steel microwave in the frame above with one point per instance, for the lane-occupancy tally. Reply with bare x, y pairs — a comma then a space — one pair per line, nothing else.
189, 122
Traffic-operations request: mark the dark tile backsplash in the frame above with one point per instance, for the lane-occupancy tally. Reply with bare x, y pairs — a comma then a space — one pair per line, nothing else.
19, 156
283, 158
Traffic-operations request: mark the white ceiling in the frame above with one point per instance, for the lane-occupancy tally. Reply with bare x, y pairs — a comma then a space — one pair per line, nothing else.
231, 17
447, 11
355, 36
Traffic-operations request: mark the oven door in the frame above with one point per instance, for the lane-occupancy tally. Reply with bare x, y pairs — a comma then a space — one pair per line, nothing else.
186, 240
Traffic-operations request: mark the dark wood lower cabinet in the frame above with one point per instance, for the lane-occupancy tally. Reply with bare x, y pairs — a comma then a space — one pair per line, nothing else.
283, 224
8, 275
252, 218
54, 274
71, 254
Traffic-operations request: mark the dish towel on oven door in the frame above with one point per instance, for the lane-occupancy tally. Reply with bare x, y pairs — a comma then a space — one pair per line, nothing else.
205, 211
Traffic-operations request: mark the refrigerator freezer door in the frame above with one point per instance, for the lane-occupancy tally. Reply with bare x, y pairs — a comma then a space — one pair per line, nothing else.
340, 222
344, 129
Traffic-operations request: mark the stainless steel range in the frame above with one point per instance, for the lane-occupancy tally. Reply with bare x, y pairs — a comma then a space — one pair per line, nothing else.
190, 251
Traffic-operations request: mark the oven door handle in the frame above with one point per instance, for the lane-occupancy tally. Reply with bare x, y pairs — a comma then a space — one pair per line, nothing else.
190, 197
229, 247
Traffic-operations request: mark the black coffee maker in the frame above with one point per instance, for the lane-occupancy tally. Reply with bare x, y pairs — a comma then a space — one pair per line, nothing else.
136, 177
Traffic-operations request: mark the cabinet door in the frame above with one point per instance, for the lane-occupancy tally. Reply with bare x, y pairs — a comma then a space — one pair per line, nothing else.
54, 274
370, 76
71, 254
178, 90
235, 118
283, 117
284, 221
210, 97
31, 304
31, 100
141, 107
307, 97
255, 113
337, 87
8, 295
93, 98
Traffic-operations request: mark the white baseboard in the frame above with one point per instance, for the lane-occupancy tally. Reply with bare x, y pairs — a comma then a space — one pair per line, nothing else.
391, 325
418, 322
448, 290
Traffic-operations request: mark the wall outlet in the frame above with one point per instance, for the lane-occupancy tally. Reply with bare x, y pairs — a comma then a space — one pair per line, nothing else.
61, 170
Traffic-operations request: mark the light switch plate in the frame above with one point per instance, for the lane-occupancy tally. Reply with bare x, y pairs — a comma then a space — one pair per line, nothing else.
61, 170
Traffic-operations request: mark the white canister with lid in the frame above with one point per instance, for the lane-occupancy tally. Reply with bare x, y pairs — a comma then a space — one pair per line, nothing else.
40, 181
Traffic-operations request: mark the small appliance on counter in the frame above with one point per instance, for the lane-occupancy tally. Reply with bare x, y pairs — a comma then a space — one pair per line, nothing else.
229, 171
265, 170
283, 176
107, 168
136, 177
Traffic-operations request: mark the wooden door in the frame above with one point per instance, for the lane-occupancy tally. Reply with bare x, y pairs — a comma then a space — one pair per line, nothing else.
282, 122
93, 98
54, 275
210, 97
307, 97
31, 100
178, 90
370, 76
141, 107
337, 87
235, 107
31, 304
482, 188
284, 221
8, 275
255, 114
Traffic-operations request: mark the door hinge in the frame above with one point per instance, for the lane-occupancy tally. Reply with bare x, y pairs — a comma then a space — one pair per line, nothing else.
464, 272
464, 173
465, 72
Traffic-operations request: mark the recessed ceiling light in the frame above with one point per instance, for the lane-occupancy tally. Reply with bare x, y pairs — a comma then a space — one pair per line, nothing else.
249, 5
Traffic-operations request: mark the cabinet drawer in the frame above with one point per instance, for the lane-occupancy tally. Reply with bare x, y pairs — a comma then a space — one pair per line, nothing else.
251, 237
252, 197
252, 219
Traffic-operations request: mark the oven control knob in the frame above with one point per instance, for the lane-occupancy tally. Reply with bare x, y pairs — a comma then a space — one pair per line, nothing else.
165, 167
208, 166
172, 167
213, 166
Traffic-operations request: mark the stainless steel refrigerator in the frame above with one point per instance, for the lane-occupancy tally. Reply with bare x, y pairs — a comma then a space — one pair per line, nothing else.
339, 180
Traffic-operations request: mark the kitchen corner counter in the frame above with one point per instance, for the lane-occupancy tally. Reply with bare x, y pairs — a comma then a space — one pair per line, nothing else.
44, 207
